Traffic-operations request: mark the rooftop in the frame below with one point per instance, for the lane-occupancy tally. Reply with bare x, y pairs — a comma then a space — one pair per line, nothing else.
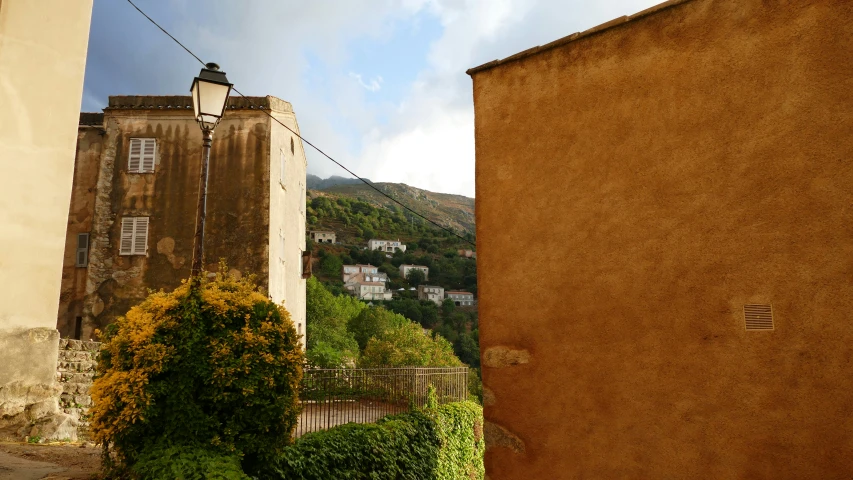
179, 102
616, 22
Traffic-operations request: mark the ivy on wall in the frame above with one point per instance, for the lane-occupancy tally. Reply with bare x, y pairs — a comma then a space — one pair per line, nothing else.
443, 442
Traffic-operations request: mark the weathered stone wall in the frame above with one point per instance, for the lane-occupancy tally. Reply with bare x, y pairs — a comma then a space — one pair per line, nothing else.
87, 164
238, 205
75, 370
28, 394
648, 179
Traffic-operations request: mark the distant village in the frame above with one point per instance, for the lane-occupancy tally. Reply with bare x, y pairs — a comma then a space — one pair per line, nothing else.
366, 282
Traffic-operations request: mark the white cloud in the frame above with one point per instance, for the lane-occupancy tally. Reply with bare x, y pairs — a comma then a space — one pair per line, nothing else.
429, 142
373, 85
300, 51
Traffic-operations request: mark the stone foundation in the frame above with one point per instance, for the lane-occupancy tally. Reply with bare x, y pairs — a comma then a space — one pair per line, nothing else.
75, 370
29, 394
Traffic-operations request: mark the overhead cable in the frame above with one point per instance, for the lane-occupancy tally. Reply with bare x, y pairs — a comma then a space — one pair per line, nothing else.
369, 184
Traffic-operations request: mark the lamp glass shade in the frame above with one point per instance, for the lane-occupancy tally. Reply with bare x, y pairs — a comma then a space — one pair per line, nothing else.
210, 94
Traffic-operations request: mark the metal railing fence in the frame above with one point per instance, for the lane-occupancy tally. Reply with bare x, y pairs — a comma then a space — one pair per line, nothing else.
332, 397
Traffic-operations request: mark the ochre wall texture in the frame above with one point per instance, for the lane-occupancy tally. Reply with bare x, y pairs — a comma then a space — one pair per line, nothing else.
662, 173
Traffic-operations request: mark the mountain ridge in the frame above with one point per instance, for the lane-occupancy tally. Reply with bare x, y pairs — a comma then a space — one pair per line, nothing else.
448, 210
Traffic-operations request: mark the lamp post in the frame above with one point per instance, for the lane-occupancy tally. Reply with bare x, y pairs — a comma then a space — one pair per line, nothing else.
210, 91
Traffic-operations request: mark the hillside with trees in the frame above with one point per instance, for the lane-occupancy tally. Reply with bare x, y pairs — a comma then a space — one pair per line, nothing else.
343, 330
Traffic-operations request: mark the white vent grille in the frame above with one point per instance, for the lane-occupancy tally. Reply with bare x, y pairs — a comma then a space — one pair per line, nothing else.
758, 317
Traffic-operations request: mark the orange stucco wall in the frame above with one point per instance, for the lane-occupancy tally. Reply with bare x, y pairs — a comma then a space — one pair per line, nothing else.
661, 174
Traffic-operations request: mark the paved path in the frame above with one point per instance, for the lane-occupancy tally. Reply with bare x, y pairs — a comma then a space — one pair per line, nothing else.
16, 468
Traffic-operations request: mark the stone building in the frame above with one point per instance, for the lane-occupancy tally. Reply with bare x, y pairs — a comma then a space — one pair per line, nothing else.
133, 205
405, 269
680, 183
432, 293
322, 236
460, 298
389, 246
350, 271
42, 61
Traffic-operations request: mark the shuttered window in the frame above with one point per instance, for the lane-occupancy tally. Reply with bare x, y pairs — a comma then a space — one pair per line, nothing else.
134, 236
82, 250
140, 159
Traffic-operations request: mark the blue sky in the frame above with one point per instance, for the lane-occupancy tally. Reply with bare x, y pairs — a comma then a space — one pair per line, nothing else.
378, 84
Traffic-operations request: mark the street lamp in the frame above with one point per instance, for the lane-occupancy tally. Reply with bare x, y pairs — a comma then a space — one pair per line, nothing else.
210, 91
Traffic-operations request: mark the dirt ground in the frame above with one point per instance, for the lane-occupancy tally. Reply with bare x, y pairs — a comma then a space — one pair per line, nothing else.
22, 461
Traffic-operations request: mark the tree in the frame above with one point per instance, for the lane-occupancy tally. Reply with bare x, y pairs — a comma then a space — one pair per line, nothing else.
429, 315
330, 344
458, 321
415, 277
468, 350
331, 265
407, 346
373, 323
212, 368
448, 306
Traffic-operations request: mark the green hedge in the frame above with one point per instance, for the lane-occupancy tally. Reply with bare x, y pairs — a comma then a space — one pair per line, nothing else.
442, 443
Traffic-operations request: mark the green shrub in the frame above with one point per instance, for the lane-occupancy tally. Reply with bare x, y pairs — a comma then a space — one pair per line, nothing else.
215, 367
406, 345
443, 443
188, 463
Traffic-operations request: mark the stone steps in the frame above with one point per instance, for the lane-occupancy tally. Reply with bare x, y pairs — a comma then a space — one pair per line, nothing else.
75, 370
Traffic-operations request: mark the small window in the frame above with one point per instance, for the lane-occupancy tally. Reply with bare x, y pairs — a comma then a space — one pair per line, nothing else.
134, 236
78, 327
292, 150
141, 156
82, 259
306, 264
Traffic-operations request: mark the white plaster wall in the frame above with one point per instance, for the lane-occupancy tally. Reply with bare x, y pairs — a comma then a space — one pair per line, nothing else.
287, 214
42, 60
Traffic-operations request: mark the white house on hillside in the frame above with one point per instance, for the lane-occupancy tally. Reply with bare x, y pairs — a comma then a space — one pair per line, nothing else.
389, 246
322, 236
350, 271
405, 269
366, 282
431, 292
460, 298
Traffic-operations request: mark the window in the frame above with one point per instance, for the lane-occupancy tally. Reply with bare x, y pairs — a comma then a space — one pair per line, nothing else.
291, 146
282, 160
78, 327
134, 236
82, 250
141, 156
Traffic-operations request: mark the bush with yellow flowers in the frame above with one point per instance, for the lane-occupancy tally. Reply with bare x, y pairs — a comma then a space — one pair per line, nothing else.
212, 367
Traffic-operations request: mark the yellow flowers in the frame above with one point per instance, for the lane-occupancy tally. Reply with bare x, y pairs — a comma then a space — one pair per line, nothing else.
215, 363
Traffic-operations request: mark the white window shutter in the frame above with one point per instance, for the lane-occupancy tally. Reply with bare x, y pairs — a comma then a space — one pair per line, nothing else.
134, 158
149, 149
126, 247
140, 236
